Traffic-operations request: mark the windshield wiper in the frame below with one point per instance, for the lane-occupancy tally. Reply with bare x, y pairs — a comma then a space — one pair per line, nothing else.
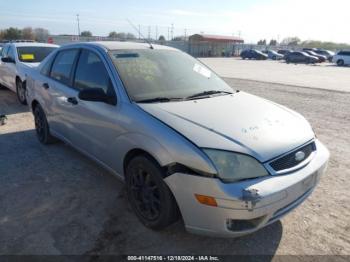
207, 94
158, 99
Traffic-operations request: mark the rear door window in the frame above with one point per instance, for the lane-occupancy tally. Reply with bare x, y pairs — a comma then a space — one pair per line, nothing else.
62, 67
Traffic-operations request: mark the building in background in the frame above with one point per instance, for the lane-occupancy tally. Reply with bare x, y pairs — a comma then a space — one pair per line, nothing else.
202, 45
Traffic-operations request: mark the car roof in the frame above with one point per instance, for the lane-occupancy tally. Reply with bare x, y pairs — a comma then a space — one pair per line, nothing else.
22, 44
118, 45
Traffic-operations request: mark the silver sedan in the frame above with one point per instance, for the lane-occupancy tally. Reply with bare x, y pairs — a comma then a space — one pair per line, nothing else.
184, 142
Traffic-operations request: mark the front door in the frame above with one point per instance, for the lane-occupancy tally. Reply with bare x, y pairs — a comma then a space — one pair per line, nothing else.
94, 126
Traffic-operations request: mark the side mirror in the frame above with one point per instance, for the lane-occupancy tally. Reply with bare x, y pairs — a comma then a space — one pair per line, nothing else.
7, 60
96, 95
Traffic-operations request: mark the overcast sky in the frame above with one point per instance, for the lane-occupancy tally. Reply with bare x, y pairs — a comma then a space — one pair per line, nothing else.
253, 19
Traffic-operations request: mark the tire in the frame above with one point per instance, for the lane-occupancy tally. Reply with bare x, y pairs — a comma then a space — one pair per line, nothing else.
149, 196
42, 127
21, 92
274, 58
340, 62
287, 60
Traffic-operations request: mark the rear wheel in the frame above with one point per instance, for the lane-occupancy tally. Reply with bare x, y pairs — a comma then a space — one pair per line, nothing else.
150, 197
21, 92
340, 62
42, 127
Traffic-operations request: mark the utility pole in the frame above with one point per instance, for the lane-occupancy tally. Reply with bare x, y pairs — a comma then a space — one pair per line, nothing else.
168, 34
149, 32
185, 34
172, 31
78, 20
139, 31
156, 32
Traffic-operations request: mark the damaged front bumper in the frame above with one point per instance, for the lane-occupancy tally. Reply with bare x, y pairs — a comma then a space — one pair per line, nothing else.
246, 206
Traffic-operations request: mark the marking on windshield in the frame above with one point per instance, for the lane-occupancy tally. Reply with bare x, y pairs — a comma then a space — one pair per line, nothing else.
202, 70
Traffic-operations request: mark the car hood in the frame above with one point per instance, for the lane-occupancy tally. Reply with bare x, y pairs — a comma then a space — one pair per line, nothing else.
239, 122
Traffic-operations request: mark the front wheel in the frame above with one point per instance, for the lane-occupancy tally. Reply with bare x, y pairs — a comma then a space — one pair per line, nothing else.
21, 92
150, 198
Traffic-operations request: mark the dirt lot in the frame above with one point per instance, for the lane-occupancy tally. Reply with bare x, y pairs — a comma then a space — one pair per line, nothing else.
55, 201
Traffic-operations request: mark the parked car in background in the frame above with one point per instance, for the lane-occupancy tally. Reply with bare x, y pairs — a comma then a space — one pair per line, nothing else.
253, 54
321, 58
342, 58
309, 49
274, 55
284, 52
300, 57
327, 53
16, 59
153, 116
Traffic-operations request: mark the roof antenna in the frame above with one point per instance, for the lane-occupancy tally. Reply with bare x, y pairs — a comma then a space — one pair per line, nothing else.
139, 32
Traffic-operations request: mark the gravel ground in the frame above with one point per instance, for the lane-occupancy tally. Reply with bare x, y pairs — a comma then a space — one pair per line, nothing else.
55, 201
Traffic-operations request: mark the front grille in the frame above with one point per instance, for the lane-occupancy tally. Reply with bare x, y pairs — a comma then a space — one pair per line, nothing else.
290, 161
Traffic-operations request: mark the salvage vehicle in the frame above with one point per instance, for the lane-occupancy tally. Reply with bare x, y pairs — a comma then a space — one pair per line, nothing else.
16, 59
300, 57
342, 58
326, 53
253, 54
274, 55
321, 58
184, 142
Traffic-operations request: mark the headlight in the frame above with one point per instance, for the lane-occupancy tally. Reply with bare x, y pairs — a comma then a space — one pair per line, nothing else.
233, 166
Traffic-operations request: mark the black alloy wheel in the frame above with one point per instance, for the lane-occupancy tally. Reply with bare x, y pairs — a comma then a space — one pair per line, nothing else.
150, 197
42, 127
21, 92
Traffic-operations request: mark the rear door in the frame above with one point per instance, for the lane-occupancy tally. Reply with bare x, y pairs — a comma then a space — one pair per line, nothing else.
300, 57
57, 91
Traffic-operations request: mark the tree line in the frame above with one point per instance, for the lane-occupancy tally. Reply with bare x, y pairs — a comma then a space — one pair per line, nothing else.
297, 42
27, 33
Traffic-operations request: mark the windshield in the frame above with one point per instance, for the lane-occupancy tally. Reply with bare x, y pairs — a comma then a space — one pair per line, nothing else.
33, 54
149, 74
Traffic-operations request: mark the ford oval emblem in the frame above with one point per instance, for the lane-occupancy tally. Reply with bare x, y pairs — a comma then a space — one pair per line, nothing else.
299, 156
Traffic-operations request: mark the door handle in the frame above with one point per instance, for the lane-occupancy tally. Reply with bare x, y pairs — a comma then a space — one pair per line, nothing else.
72, 100
46, 86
